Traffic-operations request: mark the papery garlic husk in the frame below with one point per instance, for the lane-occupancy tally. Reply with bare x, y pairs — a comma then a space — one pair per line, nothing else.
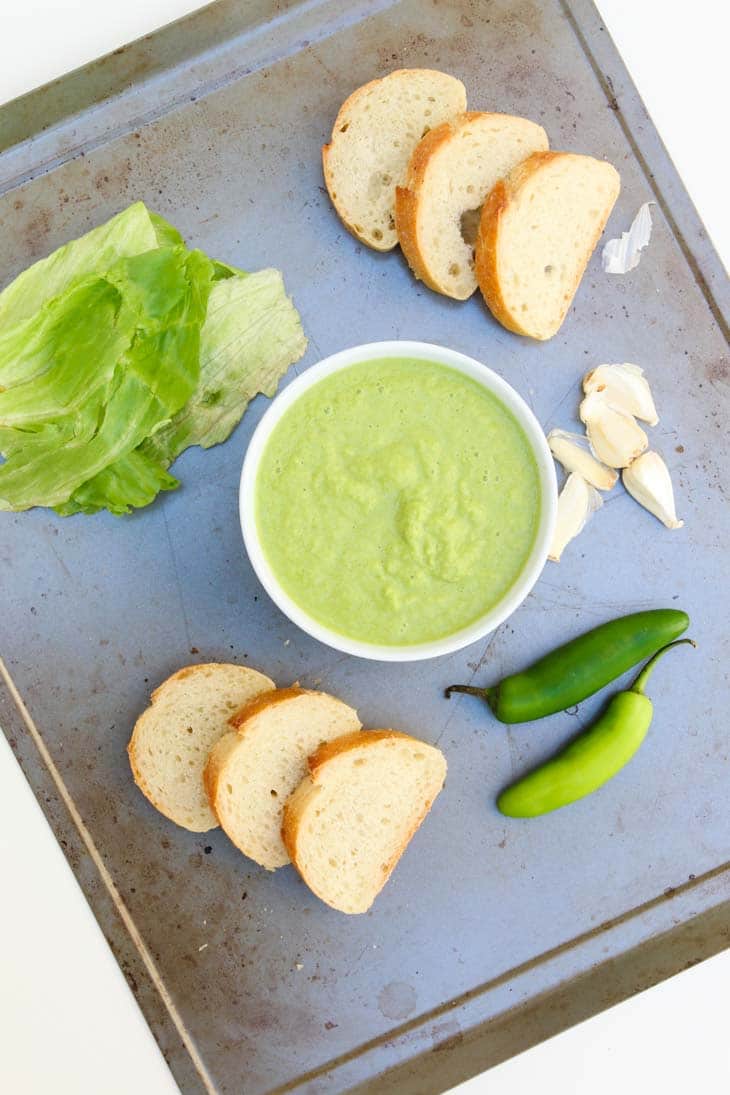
623, 254
572, 451
616, 438
576, 502
647, 480
626, 389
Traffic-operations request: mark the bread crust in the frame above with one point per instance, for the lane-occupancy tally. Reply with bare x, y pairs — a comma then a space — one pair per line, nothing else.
137, 772
407, 198
328, 750
191, 670
486, 258
296, 806
241, 722
270, 699
350, 103
138, 776
267, 699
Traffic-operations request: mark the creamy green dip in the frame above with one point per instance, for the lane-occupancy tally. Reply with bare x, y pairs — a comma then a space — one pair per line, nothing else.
397, 501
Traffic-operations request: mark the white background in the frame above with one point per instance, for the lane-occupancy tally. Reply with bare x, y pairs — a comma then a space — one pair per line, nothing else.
68, 1023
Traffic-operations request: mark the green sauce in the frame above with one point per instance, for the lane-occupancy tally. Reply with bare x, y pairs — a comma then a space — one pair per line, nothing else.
397, 501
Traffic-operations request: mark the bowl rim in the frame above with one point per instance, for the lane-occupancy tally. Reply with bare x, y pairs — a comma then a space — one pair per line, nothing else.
536, 560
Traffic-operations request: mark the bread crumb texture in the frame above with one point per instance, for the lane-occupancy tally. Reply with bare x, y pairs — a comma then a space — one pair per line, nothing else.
450, 174
351, 819
253, 769
537, 232
173, 737
374, 133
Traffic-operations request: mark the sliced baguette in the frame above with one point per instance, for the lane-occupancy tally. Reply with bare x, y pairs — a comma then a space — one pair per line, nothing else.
537, 232
350, 820
451, 172
253, 769
171, 740
374, 134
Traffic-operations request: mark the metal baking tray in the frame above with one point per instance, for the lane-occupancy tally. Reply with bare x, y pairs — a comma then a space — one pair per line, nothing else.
491, 934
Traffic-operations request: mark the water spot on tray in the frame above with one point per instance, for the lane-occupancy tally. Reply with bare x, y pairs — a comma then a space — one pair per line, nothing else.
397, 1000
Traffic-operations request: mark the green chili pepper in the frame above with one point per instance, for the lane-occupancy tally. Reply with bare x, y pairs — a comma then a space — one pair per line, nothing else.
581, 667
593, 758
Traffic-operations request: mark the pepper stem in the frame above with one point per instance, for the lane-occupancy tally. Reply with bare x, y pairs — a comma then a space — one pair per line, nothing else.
481, 692
640, 682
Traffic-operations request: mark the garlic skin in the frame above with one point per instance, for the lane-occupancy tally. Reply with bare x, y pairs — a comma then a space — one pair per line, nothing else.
616, 438
623, 254
571, 450
647, 480
576, 502
625, 388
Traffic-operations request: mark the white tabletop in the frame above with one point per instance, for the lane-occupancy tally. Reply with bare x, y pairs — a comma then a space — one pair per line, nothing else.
69, 1025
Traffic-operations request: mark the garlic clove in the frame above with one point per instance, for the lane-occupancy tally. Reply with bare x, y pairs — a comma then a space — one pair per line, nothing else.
616, 438
576, 502
647, 480
572, 451
625, 388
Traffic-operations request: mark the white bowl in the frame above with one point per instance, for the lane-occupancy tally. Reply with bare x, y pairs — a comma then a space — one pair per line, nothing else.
548, 490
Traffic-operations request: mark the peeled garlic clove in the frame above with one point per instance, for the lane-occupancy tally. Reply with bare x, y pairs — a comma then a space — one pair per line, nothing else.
625, 388
576, 502
647, 480
571, 450
616, 438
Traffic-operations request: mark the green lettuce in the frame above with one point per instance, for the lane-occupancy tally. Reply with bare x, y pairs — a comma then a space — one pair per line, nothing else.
120, 350
128, 361
129, 483
131, 232
251, 335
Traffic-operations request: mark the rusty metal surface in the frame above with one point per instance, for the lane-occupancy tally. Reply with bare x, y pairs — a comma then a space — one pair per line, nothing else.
483, 922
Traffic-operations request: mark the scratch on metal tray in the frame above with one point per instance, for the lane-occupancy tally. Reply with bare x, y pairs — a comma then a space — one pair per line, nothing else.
549, 417
178, 583
322, 672
595, 608
59, 559
350, 968
478, 665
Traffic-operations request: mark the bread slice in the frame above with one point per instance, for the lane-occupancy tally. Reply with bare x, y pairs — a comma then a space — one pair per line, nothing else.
350, 820
172, 738
374, 134
451, 172
253, 770
537, 232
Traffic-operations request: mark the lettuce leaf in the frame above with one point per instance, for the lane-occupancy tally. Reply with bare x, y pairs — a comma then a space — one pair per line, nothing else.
48, 362
120, 350
129, 483
131, 232
105, 393
251, 335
